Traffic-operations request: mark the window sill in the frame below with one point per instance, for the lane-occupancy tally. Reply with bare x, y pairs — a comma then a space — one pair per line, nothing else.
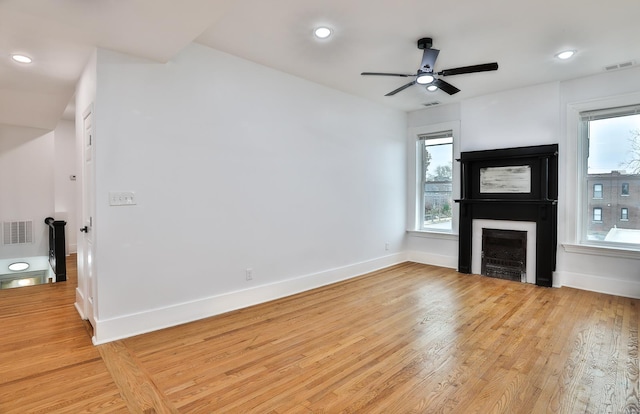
601, 251
433, 234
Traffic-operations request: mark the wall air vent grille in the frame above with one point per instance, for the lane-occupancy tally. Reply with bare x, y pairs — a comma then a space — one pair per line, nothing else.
434, 103
617, 66
17, 232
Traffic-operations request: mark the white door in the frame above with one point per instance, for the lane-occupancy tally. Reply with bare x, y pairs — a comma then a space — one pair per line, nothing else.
86, 268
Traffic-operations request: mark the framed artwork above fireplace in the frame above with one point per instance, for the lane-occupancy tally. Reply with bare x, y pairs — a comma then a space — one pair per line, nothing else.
506, 180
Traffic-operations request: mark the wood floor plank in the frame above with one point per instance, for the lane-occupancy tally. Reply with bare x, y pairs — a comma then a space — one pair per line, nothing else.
138, 389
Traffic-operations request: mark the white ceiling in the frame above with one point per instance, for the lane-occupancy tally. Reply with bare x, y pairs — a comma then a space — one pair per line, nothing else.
369, 35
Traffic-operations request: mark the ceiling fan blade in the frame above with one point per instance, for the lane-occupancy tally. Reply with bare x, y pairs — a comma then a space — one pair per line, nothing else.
403, 87
386, 74
470, 69
429, 59
445, 86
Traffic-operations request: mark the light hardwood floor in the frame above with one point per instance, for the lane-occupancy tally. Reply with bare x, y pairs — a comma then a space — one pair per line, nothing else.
408, 339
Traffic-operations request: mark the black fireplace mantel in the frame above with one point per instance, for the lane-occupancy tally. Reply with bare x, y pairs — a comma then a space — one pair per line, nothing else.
494, 186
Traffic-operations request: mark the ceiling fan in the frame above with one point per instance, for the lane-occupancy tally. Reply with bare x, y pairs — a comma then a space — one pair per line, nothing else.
426, 74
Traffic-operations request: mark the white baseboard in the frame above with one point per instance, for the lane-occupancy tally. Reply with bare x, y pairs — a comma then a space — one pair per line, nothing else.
626, 288
450, 262
134, 324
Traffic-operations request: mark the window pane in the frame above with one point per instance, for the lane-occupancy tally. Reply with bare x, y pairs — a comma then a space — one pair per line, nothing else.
625, 188
437, 164
597, 191
597, 214
613, 174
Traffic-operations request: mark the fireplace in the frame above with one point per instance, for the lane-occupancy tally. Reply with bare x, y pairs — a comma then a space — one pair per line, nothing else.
512, 189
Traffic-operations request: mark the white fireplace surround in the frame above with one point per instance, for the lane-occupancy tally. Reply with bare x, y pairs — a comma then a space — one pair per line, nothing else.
476, 242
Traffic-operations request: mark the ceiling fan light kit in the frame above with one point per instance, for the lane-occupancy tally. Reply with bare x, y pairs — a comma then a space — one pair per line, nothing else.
425, 78
426, 74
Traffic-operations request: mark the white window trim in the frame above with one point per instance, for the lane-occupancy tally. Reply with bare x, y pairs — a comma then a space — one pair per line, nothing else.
574, 185
601, 250
432, 234
414, 161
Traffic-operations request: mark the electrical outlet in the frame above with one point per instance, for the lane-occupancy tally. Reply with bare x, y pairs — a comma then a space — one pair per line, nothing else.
386, 246
249, 274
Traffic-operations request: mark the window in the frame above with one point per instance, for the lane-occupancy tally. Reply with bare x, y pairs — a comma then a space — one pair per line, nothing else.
625, 189
597, 214
597, 191
435, 204
611, 147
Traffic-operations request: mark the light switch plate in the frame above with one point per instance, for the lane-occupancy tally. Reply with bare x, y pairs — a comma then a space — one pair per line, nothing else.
122, 198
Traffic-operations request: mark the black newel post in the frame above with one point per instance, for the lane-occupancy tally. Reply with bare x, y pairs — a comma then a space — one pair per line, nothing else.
57, 248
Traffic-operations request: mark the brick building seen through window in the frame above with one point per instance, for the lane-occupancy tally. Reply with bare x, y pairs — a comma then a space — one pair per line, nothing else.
613, 203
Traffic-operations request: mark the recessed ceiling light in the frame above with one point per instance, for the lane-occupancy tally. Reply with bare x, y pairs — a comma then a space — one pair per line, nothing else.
322, 32
21, 58
432, 88
564, 55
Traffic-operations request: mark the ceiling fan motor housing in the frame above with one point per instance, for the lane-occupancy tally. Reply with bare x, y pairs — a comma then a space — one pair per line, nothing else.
425, 43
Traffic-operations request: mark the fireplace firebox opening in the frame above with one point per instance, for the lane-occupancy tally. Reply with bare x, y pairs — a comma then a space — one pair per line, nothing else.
504, 254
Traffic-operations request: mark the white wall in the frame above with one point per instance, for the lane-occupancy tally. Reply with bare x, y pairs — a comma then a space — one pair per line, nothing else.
235, 166
514, 118
65, 189
35, 165
537, 116
26, 185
